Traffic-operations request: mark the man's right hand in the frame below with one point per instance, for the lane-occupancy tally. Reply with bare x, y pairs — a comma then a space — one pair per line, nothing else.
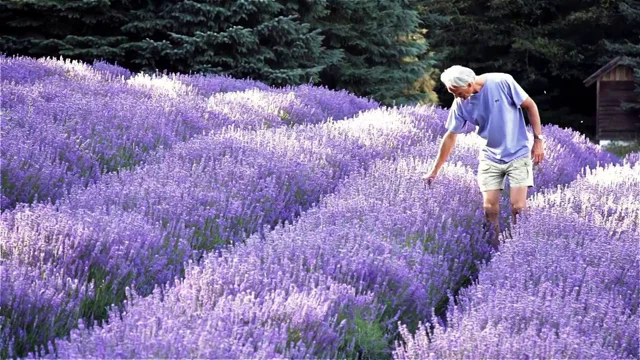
430, 177
448, 141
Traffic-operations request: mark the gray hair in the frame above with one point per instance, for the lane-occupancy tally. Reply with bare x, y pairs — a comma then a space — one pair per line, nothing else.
457, 76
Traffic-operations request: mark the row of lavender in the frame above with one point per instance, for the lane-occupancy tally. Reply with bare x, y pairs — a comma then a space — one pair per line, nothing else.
566, 289
232, 205
383, 248
65, 123
138, 227
330, 285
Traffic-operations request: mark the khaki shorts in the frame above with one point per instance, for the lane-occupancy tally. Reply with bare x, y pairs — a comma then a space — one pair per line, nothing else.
491, 176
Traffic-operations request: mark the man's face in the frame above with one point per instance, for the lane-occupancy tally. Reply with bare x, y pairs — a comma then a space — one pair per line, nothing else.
462, 92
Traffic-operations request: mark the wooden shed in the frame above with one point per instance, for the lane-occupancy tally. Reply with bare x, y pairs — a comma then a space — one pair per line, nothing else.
615, 85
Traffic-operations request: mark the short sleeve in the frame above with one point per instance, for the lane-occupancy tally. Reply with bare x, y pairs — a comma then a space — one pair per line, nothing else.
455, 121
515, 91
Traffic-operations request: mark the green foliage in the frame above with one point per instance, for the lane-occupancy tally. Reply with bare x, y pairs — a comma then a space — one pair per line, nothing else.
244, 39
78, 29
372, 48
549, 47
629, 47
386, 57
367, 335
621, 149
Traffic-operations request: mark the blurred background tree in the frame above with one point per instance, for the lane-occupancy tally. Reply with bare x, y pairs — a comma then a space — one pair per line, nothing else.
389, 50
549, 47
630, 47
385, 55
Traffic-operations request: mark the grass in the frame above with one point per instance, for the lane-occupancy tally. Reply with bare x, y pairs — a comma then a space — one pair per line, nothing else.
621, 149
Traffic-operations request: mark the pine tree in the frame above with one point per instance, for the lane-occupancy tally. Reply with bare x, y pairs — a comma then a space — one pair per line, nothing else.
549, 46
244, 38
76, 29
386, 58
629, 47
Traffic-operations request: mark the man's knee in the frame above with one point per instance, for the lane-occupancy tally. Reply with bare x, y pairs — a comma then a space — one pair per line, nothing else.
491, 209
517, 206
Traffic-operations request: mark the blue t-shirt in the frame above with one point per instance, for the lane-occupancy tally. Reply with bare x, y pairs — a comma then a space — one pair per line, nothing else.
495, 111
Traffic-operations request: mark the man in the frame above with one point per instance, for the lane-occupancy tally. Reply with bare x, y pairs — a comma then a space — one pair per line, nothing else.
493, 102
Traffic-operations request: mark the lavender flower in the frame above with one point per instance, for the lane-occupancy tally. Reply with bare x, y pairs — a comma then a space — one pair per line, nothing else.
632, 158
71, 122
336, 240
209, 191
566, 289
404, 265
34, 304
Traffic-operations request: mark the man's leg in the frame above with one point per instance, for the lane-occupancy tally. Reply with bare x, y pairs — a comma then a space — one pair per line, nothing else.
491, 178
518, 196
520, 173
491, 205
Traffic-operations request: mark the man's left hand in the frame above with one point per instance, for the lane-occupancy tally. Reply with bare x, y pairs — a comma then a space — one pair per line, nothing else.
537, 152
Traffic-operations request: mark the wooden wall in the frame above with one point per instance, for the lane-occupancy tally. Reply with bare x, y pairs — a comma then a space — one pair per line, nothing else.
612, 122
620, 73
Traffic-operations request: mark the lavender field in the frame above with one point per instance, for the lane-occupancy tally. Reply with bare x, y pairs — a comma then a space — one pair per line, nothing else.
197, 216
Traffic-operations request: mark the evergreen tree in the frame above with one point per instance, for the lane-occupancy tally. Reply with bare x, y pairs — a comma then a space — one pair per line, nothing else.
76, 29
630, 47
549, 46
386, 57
244, 39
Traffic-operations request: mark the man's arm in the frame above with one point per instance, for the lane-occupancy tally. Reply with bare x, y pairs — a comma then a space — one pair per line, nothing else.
534, 116
455, 125
446, 145
537, 152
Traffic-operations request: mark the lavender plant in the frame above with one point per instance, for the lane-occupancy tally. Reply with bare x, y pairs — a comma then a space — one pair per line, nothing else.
330, 217
632, 158
35, 305
67, 123
566, 289
406, 259
221, 188
200, 195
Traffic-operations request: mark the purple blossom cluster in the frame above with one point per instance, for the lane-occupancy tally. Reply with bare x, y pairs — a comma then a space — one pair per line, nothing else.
220, 188
565, 289
203, 216
568, 153
35, 303
66, 123
409, 251
324, 103
210, 84
632, 158
211, 191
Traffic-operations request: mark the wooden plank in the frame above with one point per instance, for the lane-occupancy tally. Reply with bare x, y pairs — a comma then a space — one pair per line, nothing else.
608, 125
611, 120
611, 109
598, 111
629, 134
626, 73
617, 85
603, 70
619, 135
632, 129
620, 73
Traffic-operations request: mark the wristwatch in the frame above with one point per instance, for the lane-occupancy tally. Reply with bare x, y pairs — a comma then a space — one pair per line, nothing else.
538, 137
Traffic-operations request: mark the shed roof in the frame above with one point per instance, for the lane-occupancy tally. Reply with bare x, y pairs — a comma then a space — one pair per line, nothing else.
619, 60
